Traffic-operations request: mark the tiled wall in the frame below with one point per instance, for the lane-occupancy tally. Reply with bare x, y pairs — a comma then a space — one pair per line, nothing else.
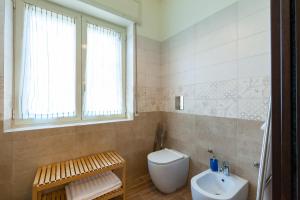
237, 141
222, 64
21, 153
222, 67
148, 74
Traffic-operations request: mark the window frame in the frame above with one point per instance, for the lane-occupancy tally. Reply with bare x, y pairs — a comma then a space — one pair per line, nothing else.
98, 22
81, 20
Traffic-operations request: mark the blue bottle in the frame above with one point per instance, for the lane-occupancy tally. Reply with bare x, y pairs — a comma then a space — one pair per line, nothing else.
214, 164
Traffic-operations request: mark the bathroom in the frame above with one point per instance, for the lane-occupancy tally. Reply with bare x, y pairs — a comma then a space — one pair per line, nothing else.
193, 76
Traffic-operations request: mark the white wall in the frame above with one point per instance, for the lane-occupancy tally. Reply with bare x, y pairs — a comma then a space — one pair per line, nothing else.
146, 12
177, 15
150, 19
161, 19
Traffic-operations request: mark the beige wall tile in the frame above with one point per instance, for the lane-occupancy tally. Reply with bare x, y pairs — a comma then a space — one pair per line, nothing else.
22, 152
235, 140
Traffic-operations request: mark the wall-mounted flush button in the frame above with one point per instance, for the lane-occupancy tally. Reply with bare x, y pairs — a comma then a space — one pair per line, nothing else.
179, 103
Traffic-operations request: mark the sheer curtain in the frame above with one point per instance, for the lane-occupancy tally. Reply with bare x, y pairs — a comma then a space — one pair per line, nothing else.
103, 77
48, 70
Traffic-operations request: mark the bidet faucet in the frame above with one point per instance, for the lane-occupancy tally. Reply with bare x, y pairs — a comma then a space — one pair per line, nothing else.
225, 168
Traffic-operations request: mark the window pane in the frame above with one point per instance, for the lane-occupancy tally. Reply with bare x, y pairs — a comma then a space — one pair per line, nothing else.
103, 90
48, 69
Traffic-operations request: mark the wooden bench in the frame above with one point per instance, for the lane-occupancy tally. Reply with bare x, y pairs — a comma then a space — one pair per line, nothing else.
54, 177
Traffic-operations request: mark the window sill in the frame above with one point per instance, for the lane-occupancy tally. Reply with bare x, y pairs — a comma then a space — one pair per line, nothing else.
70, 124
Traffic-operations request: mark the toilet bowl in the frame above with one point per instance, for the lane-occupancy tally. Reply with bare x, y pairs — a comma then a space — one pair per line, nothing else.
168, 169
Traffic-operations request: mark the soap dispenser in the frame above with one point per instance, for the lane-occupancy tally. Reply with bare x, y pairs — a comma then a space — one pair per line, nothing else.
213, 162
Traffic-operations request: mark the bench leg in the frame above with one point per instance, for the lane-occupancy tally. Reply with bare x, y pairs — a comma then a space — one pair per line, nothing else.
124, 181
36, 195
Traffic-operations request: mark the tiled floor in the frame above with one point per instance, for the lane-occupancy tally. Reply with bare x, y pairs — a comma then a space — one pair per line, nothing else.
145, 190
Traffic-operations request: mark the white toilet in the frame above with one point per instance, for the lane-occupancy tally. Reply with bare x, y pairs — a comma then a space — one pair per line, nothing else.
168, 169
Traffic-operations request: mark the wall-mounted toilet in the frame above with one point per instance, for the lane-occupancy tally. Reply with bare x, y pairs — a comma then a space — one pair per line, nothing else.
168, 169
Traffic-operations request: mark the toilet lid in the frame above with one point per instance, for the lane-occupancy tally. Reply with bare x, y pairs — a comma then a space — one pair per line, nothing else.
165, 156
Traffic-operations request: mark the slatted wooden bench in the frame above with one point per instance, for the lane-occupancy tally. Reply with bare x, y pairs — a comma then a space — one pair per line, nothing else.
57, 175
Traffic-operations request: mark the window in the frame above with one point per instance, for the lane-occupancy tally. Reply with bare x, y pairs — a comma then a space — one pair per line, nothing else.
69, 67
103, 72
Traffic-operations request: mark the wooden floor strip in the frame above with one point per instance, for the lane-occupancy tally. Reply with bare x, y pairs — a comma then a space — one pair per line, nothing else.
146, 190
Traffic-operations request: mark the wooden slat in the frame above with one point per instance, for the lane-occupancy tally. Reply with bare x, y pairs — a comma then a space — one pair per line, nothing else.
102, 160
37, 176
62, 170
117, 157
72, 168
47, 179
84, 165
115, 161
76, 167
62, 195
107, 160
49, 197
88, 163
96, 162
54, 195
80, 166
57, 171
43, 174
102, 165
53, 173
68, 172
92, 163
112, 161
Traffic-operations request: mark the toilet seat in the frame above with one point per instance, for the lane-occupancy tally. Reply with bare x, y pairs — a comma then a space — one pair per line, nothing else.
165, 156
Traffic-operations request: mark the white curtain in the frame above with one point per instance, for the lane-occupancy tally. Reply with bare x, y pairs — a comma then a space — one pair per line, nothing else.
48, 70
103, 87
